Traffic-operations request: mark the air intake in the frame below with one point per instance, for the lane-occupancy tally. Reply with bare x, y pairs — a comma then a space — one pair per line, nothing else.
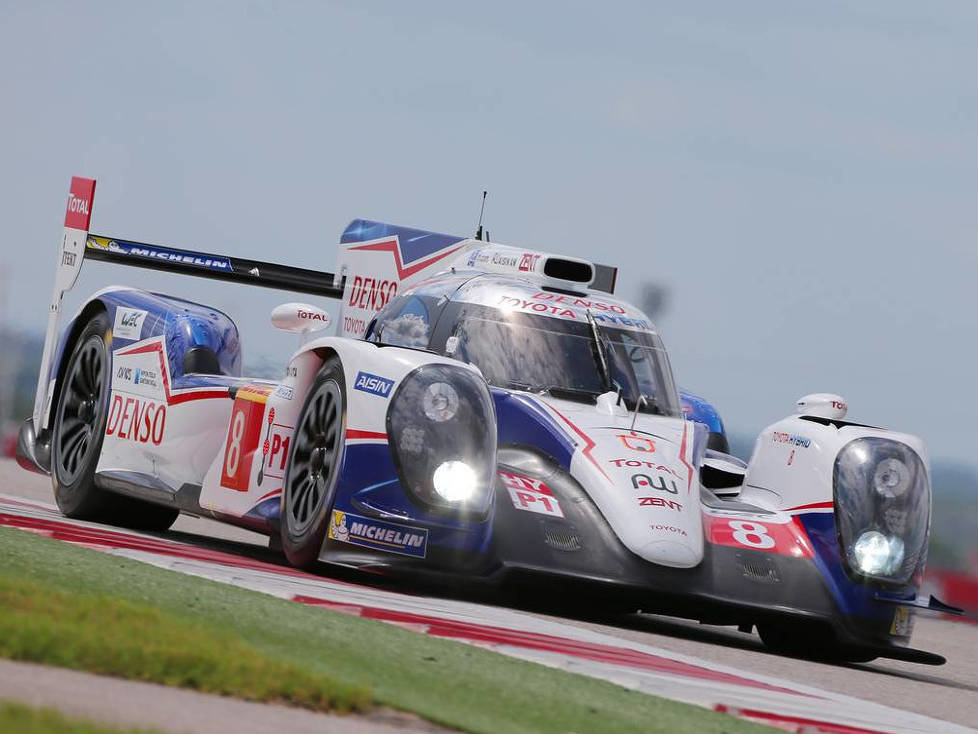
572, 271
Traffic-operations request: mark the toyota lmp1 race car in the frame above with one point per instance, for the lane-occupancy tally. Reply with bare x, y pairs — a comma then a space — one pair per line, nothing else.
483, 412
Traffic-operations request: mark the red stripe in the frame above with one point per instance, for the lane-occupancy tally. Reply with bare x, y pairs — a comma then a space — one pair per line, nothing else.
682, 458
353, 433
393, 246
588, 443
144, 349
98, 538
270, 494
812, 506
798, 723
486, 634
186, 397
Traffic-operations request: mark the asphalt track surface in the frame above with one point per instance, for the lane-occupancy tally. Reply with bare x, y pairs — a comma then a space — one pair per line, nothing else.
947, 693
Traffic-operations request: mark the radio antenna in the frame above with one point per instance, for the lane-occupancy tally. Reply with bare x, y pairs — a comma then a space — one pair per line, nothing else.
478, 232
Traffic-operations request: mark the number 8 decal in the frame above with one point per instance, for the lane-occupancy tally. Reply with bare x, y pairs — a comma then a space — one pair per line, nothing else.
751, 534
234, 444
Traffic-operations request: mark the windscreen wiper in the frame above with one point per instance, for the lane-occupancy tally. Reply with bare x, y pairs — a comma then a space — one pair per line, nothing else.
605, 372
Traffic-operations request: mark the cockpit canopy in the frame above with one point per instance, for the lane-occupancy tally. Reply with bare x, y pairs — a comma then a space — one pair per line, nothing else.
523, 337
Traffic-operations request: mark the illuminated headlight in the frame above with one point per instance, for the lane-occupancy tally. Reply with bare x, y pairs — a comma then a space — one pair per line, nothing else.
876, 554
442, 426
440, 401
454, 480
882, 509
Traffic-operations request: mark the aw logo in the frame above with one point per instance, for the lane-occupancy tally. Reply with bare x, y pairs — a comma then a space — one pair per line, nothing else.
373, 384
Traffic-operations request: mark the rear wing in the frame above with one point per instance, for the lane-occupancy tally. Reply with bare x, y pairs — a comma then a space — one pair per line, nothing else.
78, 245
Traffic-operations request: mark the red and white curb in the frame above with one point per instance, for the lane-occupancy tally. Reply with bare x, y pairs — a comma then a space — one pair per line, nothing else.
779, 703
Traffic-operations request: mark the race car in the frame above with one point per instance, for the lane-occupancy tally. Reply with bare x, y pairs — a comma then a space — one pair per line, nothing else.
484, 412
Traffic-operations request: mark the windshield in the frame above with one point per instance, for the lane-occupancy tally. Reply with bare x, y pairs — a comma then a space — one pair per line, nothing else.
544, 354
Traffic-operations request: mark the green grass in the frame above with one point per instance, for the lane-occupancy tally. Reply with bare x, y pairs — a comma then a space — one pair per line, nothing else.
450, 683
15, 717
112, 636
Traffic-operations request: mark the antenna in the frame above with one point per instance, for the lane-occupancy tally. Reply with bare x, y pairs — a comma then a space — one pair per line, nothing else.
478, 232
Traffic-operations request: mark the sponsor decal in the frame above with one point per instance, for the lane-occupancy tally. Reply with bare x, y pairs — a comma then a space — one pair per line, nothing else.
284, 391
637, 463
320, 316
839, 405
643, 481
903, 619
142, 421
145, 377
528, 261
78, 211
637, 443
659, 502
373, 384
668, 529
153, 252
405, 540
582, 303
124, 373
128, 323
371, 293
531, 494
68, 258
791, 439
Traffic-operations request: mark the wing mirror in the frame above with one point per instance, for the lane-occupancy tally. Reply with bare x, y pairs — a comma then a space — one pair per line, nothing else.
822, 405
300, 318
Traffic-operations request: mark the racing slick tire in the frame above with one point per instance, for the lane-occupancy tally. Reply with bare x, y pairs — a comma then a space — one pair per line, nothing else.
314, 467
76, 440
811, 642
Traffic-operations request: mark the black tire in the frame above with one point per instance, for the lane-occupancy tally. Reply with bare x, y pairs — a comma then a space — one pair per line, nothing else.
314, 467
77, 435
79, 426
811, 642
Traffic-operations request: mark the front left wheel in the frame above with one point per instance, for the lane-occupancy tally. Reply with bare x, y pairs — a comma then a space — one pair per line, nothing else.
314, 467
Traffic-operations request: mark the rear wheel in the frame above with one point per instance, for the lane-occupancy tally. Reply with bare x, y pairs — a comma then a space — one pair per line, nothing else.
314, 467
77, 435
79, 424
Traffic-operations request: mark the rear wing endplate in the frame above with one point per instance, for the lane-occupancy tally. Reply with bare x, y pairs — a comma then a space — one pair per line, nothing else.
77, 245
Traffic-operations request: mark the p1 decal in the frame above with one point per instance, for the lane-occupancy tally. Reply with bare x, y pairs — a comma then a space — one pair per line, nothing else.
244, 433
386, 536
637, 443
275, 451
143, 421
531, 494
782, 538
373, 384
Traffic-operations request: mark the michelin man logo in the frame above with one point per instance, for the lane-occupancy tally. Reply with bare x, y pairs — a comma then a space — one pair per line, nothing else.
337, 528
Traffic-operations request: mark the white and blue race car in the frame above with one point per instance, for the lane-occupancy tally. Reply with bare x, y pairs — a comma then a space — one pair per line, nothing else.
484, 411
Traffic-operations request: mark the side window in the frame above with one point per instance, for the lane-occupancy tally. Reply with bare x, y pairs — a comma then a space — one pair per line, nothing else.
407, 324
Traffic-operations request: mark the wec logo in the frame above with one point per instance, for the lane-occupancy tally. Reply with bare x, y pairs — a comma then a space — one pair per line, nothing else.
373, 384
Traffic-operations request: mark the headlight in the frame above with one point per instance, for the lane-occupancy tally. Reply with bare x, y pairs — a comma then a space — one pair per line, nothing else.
442, 429
440, 401
882, 509
454, 480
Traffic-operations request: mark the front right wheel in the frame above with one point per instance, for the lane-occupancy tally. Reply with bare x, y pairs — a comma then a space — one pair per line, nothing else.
314, 467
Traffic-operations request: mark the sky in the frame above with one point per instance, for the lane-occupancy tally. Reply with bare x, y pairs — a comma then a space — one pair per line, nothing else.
800, 175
